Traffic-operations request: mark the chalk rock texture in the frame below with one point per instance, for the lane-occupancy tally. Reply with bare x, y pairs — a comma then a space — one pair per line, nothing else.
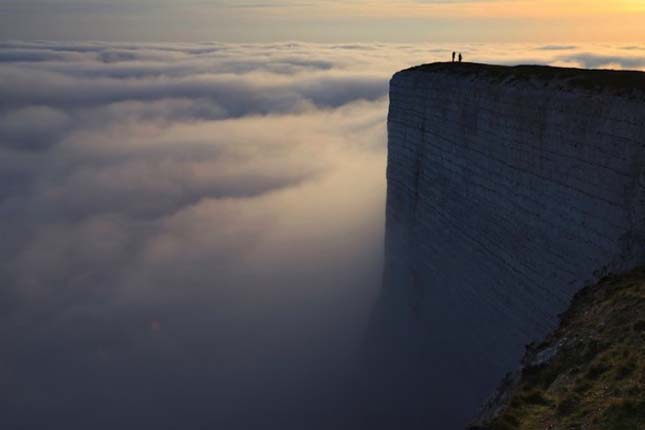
508, 190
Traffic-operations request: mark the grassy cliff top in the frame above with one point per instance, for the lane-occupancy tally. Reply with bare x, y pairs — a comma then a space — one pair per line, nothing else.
590, 373
616, 81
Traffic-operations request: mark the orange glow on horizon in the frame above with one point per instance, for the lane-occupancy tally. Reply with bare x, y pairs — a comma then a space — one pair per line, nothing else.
587, 20
534, 9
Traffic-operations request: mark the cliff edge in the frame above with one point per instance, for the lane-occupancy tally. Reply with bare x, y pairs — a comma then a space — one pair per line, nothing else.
509, 190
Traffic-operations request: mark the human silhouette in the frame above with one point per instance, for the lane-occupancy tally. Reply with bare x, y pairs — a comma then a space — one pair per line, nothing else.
460, 57
453, 56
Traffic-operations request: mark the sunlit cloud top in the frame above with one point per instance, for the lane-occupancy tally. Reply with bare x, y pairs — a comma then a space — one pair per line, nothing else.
324, 20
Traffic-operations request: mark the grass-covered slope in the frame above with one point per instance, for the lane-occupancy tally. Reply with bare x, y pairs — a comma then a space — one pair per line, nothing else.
590, 373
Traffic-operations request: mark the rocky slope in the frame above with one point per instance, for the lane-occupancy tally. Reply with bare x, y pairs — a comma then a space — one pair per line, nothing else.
589, 373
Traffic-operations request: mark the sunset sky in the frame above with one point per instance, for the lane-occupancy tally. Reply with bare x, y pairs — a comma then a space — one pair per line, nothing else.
324, 20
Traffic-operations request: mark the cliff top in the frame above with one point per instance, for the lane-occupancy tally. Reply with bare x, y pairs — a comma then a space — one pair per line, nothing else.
615, 81
588, 374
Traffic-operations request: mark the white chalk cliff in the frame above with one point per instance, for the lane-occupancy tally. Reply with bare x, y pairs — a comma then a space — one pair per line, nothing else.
508, 190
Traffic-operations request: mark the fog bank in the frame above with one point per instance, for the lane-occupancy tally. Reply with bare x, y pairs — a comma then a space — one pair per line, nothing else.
192, 233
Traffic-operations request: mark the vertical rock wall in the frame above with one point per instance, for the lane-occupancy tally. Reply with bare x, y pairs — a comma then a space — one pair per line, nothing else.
507, 190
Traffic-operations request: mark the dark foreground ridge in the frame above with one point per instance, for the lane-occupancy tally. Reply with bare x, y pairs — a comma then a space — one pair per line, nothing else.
619, 82
589, 373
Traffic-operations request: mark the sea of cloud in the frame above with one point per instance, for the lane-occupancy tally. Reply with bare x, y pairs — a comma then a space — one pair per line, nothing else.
192, 233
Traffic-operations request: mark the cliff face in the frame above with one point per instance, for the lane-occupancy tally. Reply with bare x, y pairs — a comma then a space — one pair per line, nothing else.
508, 190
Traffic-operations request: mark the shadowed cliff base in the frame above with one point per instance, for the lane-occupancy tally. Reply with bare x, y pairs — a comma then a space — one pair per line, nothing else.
618, 82
589, 373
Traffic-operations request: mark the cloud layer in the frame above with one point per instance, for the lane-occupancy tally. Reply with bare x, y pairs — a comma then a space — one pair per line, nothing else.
192, 232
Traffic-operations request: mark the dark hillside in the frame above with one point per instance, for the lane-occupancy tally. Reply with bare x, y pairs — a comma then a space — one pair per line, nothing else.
590, 373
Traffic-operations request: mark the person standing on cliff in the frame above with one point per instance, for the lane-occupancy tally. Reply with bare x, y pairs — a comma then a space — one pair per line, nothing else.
453, 56
460, 57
